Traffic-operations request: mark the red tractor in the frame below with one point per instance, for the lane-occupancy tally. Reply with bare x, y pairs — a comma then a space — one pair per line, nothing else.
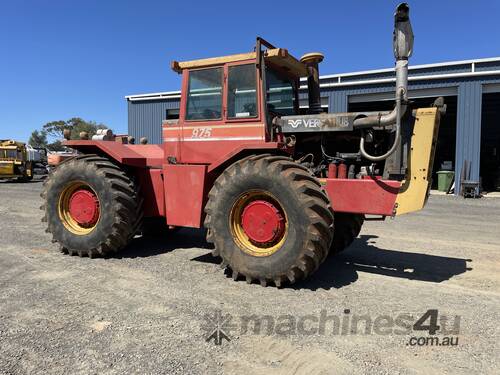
277, 190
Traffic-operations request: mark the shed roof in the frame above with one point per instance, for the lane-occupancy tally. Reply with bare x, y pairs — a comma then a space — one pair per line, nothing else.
462, 69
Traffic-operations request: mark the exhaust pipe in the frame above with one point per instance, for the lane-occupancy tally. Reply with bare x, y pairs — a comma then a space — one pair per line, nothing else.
403, 48
312, 60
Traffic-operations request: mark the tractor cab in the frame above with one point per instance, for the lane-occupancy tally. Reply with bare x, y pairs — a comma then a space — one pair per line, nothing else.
232, 99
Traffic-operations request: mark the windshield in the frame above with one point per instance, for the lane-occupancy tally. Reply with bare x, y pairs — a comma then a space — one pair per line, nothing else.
204, 100
10, 154
280, 93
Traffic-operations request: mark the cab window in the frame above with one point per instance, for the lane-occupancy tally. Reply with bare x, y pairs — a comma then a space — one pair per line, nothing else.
204, 101
12, 154
242, 91
280, 94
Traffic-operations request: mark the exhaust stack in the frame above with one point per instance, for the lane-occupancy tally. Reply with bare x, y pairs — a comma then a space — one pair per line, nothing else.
403, 47
312, 60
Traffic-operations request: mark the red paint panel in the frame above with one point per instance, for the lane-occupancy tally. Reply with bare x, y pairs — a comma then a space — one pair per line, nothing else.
151, 182
365, 196
171, 134
218, 141
184, 194
134, 155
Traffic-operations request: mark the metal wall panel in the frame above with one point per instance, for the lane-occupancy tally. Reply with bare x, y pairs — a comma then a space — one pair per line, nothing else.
486, 66
339, 97
337, 101
412, 94
461, 68
145, 118
468, 129
491, 87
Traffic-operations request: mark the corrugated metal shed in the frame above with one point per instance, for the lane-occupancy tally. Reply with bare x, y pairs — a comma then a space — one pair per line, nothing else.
466, 79
145, 118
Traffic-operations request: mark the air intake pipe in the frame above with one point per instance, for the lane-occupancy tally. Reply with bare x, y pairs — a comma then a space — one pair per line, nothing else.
312, 60
403, 48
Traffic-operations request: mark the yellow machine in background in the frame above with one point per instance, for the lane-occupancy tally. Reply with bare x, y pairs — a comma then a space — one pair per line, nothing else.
15, 161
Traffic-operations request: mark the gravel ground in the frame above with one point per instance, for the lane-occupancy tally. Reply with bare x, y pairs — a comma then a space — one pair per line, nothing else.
151, 309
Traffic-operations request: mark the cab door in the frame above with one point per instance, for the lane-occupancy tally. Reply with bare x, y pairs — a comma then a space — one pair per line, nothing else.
220, 111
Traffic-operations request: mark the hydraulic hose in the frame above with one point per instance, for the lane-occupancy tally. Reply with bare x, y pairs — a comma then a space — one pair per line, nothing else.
398, 111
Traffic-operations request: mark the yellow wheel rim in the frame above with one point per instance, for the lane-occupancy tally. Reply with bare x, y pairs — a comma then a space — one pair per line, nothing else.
258, 223
79, 208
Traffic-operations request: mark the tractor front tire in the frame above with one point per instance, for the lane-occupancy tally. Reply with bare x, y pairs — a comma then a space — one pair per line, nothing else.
92, 208
347, 228
269, 220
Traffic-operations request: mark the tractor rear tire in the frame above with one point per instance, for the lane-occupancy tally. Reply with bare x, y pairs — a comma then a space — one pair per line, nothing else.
269, 190
347, 228
92, 208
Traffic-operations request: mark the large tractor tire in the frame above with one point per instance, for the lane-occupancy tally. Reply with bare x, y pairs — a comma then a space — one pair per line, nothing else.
347, 228
92, 208
269, 220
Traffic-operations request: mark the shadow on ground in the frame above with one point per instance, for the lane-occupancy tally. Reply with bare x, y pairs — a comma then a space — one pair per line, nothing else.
336, 272
142, 247
364, 256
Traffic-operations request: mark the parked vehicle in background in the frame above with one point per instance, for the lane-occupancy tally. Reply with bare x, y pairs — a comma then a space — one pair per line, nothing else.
16, 160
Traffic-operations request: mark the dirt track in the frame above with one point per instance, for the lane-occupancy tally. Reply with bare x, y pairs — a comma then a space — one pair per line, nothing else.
145, 311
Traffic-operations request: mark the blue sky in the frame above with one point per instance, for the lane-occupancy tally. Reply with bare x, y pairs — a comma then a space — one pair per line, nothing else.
61, 59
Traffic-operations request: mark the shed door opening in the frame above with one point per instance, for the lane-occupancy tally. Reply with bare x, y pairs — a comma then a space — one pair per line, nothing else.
490, 142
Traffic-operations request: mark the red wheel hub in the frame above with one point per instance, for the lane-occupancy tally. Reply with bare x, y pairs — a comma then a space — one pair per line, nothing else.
263, 222
84, 207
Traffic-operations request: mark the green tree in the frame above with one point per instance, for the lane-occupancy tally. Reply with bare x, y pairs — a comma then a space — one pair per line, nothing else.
38, 139
55, 129
77, 125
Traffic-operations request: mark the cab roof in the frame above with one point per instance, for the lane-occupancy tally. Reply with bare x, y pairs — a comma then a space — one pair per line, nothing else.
276, 56
10, 144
